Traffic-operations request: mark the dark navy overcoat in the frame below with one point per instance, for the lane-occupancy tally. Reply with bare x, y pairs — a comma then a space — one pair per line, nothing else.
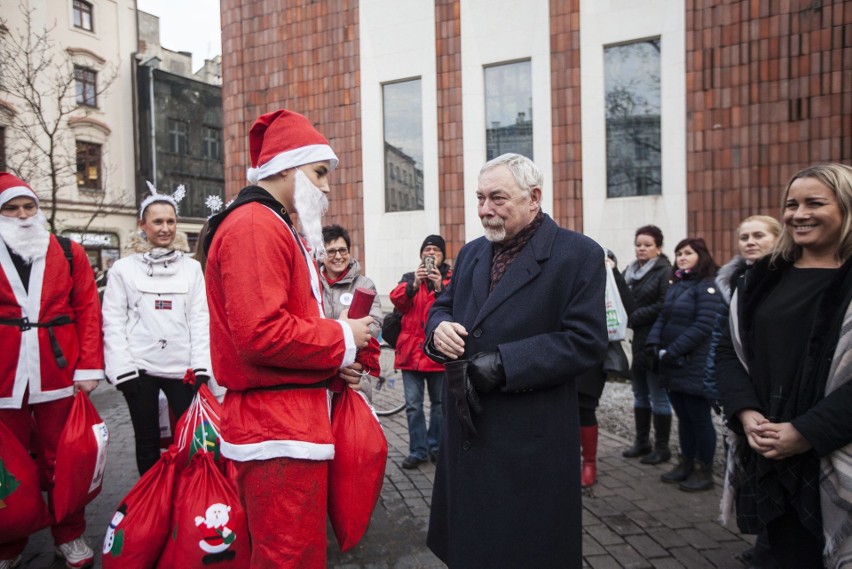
510, 496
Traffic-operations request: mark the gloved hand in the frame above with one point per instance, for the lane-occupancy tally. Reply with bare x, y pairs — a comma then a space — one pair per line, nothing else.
200, 379
652, 360
486, 371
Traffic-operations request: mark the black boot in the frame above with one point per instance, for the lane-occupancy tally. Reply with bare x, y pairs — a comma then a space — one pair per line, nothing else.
662, 430
641, 445
681, 472
701, 478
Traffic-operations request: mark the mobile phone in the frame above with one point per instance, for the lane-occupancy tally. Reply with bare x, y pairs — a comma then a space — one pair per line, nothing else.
429, 263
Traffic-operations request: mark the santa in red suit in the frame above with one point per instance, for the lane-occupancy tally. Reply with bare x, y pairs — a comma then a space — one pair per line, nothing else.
50, 335
271, 345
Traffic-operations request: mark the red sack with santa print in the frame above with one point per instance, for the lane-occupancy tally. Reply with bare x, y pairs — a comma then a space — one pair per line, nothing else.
209, 525
80, 458
22, 509
140, 526
198, 427
356, 473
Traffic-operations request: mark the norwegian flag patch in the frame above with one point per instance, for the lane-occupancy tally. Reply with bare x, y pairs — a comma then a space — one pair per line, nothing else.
162, 305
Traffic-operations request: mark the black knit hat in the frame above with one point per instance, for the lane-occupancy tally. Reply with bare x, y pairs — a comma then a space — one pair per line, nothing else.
437, 241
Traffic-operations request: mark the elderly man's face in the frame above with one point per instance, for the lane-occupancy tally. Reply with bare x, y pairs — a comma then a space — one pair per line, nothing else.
503, 207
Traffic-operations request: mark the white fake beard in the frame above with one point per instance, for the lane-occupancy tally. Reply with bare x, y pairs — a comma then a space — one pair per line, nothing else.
27, 238
311, 204
495, 229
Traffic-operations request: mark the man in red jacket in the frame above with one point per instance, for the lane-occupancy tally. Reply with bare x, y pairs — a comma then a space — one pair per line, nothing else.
413, 297
270, 344
50, 335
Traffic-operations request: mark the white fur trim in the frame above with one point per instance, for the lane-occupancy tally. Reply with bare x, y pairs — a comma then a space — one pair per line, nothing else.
292, 159
276, 449
88, 374
16, 192
349, 341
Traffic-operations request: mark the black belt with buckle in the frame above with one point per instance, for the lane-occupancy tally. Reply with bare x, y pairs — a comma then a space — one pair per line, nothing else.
24, 324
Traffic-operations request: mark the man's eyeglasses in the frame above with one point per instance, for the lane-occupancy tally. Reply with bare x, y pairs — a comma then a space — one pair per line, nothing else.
343, 251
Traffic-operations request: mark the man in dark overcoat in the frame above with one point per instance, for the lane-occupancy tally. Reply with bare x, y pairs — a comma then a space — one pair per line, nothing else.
523, 316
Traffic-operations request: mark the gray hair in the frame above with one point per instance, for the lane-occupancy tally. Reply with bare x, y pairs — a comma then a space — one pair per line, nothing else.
524, 170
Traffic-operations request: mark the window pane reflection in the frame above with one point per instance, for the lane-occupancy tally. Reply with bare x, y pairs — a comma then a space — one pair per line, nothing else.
508, 109
633, 143
403, 145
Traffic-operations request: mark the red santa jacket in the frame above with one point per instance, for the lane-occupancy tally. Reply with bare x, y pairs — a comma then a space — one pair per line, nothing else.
268, 337
54, 291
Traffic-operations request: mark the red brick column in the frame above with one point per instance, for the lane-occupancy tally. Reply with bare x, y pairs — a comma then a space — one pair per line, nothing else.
567, 184
768, 92
303, 56
450, 151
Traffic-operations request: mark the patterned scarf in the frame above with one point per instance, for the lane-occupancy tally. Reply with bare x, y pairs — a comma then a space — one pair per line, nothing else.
504, 254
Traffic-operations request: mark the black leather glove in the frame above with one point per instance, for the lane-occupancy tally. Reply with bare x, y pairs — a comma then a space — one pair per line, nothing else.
200, 379
652, 360
486, 371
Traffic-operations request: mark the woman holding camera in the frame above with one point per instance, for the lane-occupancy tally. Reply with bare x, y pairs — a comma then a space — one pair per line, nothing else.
413, 297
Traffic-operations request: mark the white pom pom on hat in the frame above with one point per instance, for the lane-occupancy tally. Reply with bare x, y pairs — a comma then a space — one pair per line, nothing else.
12, 187
283, 139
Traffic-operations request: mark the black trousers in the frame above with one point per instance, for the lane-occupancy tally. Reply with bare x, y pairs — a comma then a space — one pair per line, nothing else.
143, 400
793, 545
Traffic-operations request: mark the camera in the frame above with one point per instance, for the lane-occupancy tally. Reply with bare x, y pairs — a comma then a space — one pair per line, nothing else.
429, 263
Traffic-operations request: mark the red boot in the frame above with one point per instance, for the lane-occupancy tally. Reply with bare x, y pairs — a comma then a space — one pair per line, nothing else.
589, 452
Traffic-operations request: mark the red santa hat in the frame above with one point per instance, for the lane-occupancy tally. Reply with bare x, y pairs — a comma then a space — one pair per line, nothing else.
12, 187
283, 139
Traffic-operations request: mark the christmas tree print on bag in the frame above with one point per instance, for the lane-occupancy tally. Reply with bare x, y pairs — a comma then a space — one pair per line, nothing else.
209, 526
22, 509
198, 428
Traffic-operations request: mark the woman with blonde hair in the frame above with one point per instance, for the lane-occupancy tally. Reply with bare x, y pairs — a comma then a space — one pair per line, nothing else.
784, 368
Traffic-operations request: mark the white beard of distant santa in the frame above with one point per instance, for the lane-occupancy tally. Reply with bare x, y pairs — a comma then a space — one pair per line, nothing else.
311, 204
27, 238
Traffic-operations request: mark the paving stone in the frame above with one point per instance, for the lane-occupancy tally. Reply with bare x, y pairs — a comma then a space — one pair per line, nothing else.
603, 562
622, 525
604, 535
690, 557
628, 557
647, 547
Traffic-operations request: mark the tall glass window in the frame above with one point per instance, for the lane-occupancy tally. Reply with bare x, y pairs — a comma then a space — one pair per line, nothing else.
178, 132
403, 125
508, 109
86, 86
633, 142
88, 166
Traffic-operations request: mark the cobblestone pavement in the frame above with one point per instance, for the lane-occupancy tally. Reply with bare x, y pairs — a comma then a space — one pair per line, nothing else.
630, 518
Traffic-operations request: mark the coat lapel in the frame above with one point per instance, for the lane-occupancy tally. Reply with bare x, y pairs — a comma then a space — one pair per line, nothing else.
523, 270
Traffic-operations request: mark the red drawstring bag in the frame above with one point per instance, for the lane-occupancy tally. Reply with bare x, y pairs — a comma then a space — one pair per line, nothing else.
209, 525
368, 356
140, 527
80, 458
356, 473
22, 509
198, 428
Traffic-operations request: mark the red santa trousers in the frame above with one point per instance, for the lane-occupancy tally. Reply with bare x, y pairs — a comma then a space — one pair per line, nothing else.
286, 504
50, 419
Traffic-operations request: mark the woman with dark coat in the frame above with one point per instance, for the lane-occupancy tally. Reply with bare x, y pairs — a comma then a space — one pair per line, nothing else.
590, 386
785, 377
648, 278
680, 340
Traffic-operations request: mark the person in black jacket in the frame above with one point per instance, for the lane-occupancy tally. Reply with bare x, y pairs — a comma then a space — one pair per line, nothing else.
783, 369
648, 278
590, 385
680, 339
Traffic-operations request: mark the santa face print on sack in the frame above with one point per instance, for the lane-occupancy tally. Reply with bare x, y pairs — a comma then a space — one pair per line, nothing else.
217, 537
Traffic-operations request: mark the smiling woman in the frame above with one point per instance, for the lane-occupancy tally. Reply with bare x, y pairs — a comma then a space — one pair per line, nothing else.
785, 377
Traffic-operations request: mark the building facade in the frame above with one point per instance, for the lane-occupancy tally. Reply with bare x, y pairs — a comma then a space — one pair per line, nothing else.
689, 114
66, 122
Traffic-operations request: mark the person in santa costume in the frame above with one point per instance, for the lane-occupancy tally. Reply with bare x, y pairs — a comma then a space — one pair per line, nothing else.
271, 345
156, 322
50, 335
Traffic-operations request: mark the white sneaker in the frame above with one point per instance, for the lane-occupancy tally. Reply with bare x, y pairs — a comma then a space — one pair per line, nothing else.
10, 563
77, 553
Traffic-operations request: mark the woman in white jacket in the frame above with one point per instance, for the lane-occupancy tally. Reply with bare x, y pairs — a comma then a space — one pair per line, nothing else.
156, 323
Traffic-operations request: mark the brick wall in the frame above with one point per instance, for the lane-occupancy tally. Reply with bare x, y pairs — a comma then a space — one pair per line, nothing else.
303, 56
769, 91
450, 151
567, 186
